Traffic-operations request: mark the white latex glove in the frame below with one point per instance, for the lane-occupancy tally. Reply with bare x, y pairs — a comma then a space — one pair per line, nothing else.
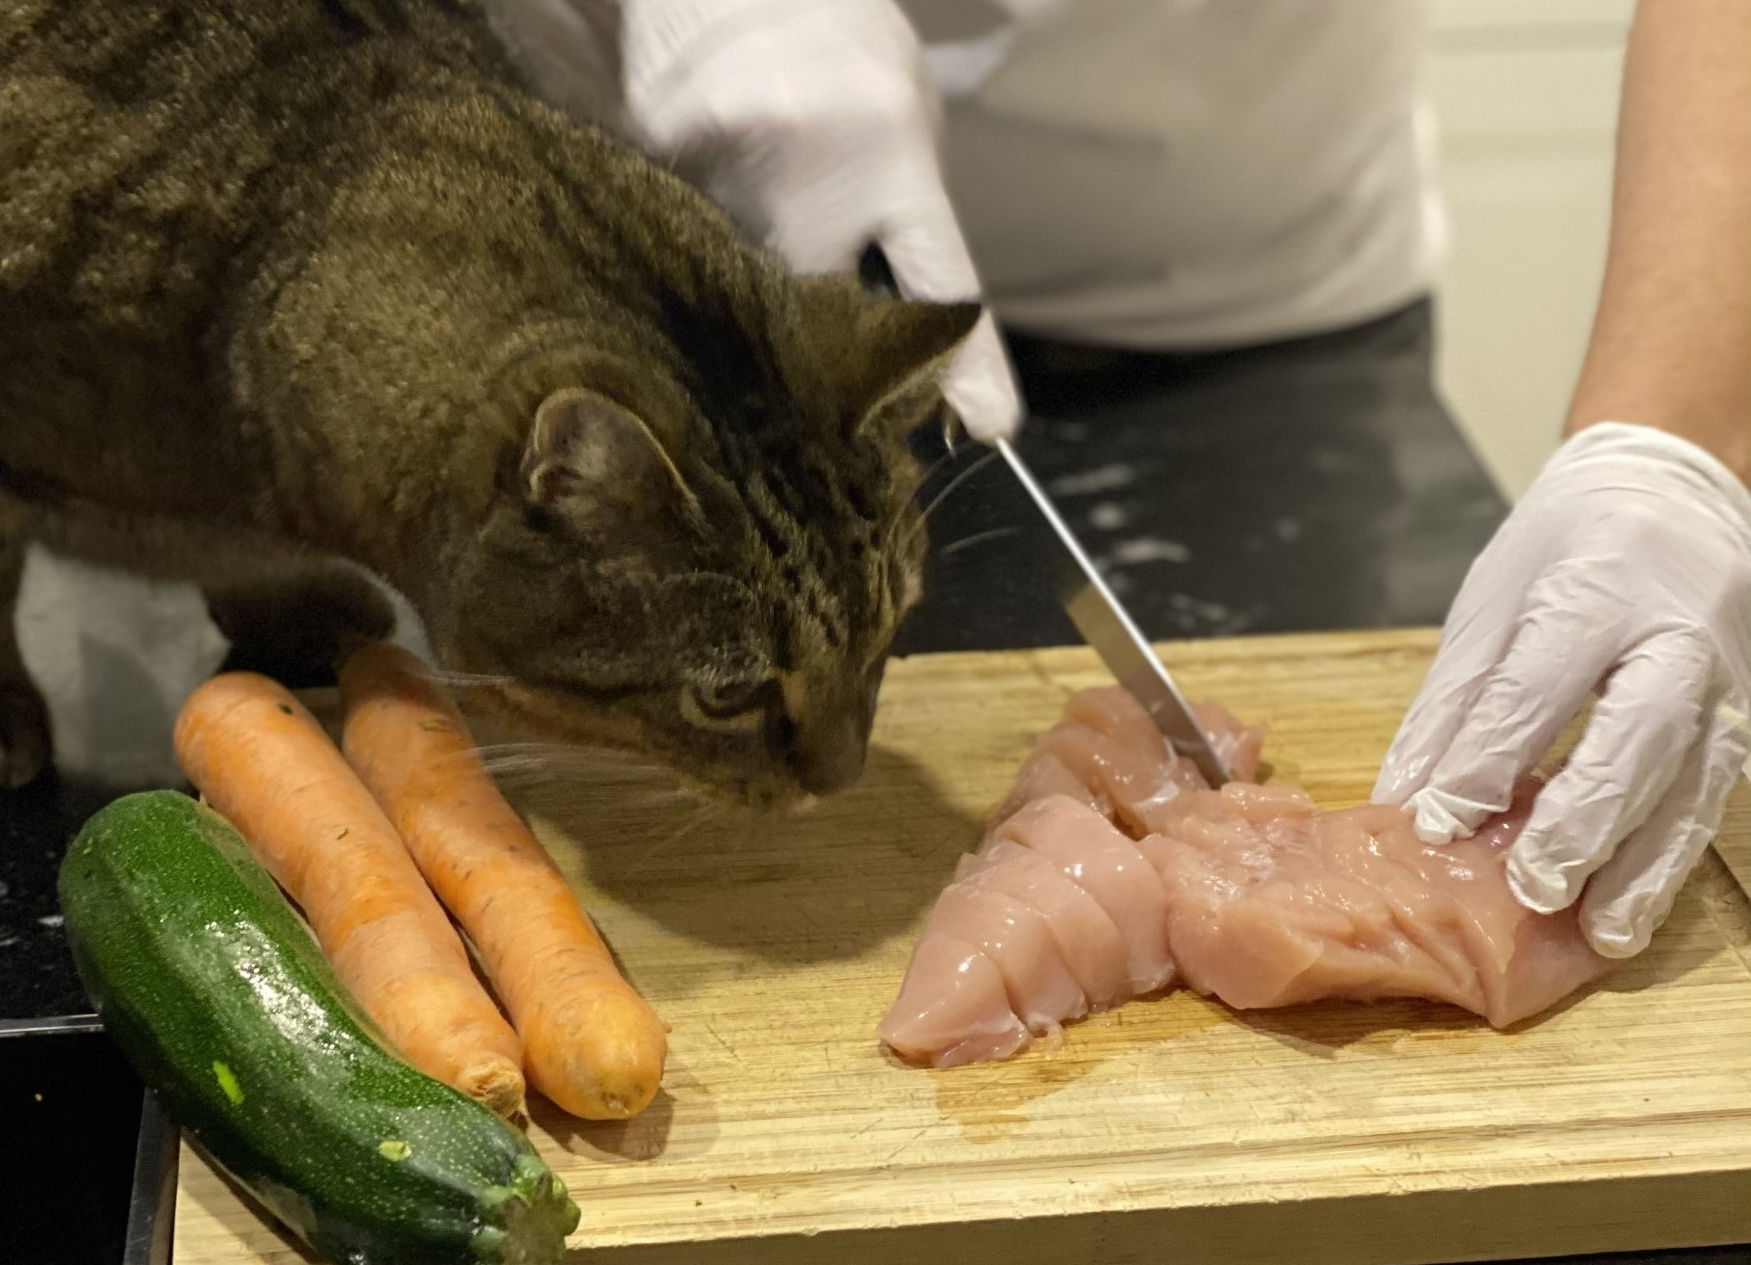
1627, 565
813, 123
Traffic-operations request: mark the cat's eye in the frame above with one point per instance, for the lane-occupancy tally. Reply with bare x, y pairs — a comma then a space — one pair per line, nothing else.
728, 704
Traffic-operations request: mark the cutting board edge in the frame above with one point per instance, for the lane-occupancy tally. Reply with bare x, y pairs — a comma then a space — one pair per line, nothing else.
1341, 644
1665, 1211
1671, 1210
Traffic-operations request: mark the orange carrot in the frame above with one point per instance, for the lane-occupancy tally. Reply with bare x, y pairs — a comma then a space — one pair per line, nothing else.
264, 763
592, 1044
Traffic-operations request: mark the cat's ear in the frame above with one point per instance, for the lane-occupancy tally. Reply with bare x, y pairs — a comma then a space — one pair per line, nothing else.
907, 338
905, 346
884, 355
598, 471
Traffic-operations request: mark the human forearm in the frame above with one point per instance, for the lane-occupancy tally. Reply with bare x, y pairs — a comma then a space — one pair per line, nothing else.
1671, 344
1623, 575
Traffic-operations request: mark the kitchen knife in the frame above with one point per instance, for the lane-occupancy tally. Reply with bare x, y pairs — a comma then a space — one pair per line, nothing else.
1087, 599
1115, 638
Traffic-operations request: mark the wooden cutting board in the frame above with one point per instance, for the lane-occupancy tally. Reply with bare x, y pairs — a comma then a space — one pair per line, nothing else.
1171, 1129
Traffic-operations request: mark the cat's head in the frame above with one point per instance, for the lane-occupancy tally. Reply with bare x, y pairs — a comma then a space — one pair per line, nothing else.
702, 546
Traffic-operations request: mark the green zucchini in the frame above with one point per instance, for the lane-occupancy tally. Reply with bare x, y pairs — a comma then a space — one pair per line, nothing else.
223, 1002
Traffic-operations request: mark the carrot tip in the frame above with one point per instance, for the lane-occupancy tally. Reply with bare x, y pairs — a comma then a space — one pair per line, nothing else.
498, 1085
610, 1104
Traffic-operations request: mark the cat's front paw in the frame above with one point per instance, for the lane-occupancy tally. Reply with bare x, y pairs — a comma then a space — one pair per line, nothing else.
24, 735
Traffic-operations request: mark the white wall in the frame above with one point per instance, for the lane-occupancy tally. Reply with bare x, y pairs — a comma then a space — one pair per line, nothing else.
1525, 99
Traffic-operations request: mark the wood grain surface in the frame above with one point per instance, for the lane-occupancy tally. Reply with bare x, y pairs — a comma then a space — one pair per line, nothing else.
1170, 1129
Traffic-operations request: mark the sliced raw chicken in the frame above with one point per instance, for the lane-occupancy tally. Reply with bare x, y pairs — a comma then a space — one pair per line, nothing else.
1092, 946
1104, 863
1018, 939
1108, 753
1135, 867
1045, 774
1239, 745
954, 1006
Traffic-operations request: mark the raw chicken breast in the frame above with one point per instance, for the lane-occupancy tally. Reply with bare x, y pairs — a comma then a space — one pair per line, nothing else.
1351, 904
1115, 851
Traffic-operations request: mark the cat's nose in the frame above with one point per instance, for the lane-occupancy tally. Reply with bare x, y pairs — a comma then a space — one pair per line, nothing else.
828, 756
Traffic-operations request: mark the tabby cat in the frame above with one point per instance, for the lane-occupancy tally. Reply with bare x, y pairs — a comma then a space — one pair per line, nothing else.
294, 287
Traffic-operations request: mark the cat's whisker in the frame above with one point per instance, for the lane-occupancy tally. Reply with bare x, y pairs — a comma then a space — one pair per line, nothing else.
571, 753
930, 470
951, 423
948, 489
565, 804
551, 763
429, 667
555, 750
514, 768
545, 778
521, 755
538, 744
959, 479
900, 520
705, 814
502, 765
452, 676
977, 538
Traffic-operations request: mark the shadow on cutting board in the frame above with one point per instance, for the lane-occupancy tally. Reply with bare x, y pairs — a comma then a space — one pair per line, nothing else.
644, 1137
200, 1195
829, 883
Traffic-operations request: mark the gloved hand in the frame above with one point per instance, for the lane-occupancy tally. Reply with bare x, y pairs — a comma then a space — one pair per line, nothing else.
813, 124
1627, 564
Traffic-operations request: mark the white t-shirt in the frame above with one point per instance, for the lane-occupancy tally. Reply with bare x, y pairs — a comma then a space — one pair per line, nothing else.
1187, 173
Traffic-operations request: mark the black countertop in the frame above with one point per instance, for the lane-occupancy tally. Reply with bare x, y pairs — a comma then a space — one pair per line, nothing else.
1309, 486
1313, 485
36, 973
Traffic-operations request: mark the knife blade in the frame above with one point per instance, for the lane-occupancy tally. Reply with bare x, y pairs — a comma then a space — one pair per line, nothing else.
1100, 618
1087, 599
